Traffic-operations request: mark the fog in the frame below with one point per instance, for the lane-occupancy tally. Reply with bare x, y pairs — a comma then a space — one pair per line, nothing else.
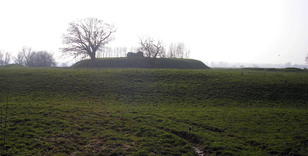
237, 31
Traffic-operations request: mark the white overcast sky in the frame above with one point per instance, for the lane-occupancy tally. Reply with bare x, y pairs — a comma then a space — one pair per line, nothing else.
247, 31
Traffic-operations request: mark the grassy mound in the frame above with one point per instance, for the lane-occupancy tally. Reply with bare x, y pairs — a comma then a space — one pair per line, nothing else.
54, 111
142, 63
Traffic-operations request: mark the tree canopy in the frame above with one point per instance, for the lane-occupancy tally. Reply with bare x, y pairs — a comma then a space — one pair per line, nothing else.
31, 58
86, 37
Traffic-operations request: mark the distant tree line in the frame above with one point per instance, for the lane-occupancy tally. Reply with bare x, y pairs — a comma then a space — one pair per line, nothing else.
87, 38
28, 57
149, 48
112, 52
155, 48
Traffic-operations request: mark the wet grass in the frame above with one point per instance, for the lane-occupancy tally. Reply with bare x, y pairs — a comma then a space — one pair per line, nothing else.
150, 112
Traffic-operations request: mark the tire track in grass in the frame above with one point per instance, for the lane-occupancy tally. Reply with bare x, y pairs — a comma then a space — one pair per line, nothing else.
194, 140
191, 138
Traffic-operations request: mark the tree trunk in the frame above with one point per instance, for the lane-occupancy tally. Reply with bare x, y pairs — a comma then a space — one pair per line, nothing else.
92, 56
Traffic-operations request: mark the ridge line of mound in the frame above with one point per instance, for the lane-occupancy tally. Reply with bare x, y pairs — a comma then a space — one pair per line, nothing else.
125, 62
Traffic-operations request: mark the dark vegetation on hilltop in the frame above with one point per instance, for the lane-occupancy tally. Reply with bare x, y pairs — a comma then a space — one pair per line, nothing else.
56, 111
143, 62
13, 66
289, 69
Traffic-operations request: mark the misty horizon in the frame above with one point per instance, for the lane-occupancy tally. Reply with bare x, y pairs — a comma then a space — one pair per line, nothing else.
255, 32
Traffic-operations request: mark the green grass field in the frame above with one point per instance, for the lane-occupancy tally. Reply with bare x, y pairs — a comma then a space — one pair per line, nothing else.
65, 111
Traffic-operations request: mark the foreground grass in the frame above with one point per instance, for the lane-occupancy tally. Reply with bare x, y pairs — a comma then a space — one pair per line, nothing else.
149, 112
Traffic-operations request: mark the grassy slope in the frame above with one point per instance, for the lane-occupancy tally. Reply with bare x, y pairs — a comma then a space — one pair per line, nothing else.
143, 62
137, 111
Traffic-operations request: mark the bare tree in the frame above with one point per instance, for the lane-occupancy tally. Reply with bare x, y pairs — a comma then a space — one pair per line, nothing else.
178, 50
41, 59
86, 37
30, 58
306, 59
152, 48
134, 49
159, 49
112, 52
5, 58
105, 52
1, 59
146, 46
20, 59
172, 51
187, 53
23, 57
120, 51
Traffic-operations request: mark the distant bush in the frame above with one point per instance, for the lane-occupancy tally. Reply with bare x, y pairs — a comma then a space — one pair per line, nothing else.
30, 58
142, 63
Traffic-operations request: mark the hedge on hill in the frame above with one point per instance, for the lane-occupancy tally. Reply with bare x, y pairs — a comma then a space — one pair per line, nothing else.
142, 63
